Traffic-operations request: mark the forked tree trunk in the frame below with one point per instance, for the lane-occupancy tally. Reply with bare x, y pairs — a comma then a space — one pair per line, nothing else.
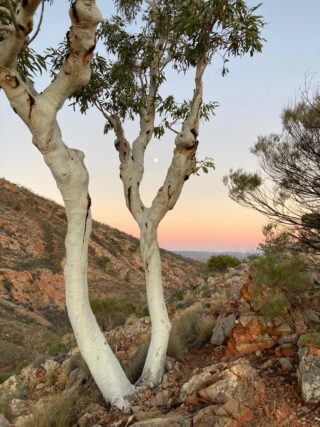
131, 172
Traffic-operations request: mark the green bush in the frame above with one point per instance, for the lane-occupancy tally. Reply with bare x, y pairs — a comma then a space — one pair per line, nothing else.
272, 271
276, 282
221, 263
275, 308
309, 339
111, 312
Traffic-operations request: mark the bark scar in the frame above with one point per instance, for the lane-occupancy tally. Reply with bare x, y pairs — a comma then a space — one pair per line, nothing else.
74, 12
88, 209
129, 198
31, 102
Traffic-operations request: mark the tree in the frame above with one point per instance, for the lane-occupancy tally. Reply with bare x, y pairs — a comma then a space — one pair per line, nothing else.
142, 42
287, 190
39, 111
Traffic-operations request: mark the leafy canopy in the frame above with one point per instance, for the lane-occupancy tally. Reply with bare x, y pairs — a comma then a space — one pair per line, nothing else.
146, 38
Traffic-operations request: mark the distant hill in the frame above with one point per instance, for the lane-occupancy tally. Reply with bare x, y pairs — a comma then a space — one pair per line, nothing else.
32, 233
203, 256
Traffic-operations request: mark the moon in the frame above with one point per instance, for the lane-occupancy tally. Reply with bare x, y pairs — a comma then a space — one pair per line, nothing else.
156, 160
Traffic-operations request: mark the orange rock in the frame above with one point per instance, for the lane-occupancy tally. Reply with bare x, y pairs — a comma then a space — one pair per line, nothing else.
255, 328
282, 329
282, 412
244, 292
247, 347
193, 399
243, 417
288, 352
314, 351
148, 394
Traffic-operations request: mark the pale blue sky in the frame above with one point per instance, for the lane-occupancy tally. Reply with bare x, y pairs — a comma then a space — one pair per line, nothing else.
251, 98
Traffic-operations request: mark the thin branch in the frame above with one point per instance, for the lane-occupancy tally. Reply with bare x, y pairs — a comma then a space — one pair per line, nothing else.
39, 24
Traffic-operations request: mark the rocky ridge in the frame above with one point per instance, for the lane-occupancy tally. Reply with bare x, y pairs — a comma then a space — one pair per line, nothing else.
256, 372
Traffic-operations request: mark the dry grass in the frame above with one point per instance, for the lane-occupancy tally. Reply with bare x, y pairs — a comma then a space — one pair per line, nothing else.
59, 411
190, 330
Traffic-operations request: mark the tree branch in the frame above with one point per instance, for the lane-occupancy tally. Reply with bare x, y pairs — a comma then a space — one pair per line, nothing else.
23, 24
75, 71
39, 24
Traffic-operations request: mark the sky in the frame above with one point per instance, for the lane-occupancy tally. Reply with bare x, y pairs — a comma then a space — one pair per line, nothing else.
251, 98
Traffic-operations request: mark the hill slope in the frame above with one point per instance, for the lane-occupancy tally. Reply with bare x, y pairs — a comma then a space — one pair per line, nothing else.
32, 232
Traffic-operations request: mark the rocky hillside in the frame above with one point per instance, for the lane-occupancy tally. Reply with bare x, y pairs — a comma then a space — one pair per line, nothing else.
32, 232
260, 369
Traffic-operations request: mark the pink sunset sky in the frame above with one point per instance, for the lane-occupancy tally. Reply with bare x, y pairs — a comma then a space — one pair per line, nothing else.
251, 98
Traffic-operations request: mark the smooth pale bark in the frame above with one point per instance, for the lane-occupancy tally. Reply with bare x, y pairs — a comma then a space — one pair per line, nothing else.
155, 363
67, 166
131, 173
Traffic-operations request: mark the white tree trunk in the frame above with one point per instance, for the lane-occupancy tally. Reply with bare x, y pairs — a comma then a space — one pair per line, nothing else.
103, 365
131, 172
67, 166
155, 363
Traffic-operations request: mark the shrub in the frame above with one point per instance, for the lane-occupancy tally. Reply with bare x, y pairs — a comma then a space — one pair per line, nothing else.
190, 330
204, 333
144, 312
221, 263
77, 362
275, 308
111, 312
133, 368
176, 295
309, 339
54, 344
276, 281
60, 411
288, 274
39, 360
102, 262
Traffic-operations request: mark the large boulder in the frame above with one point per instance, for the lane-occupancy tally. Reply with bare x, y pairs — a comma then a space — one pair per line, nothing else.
3, 421
222, 329
232, 390
309, 375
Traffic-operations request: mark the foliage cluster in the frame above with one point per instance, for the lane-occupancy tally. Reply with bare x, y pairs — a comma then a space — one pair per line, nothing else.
220, 263
287, 189
277, 281
309, 339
